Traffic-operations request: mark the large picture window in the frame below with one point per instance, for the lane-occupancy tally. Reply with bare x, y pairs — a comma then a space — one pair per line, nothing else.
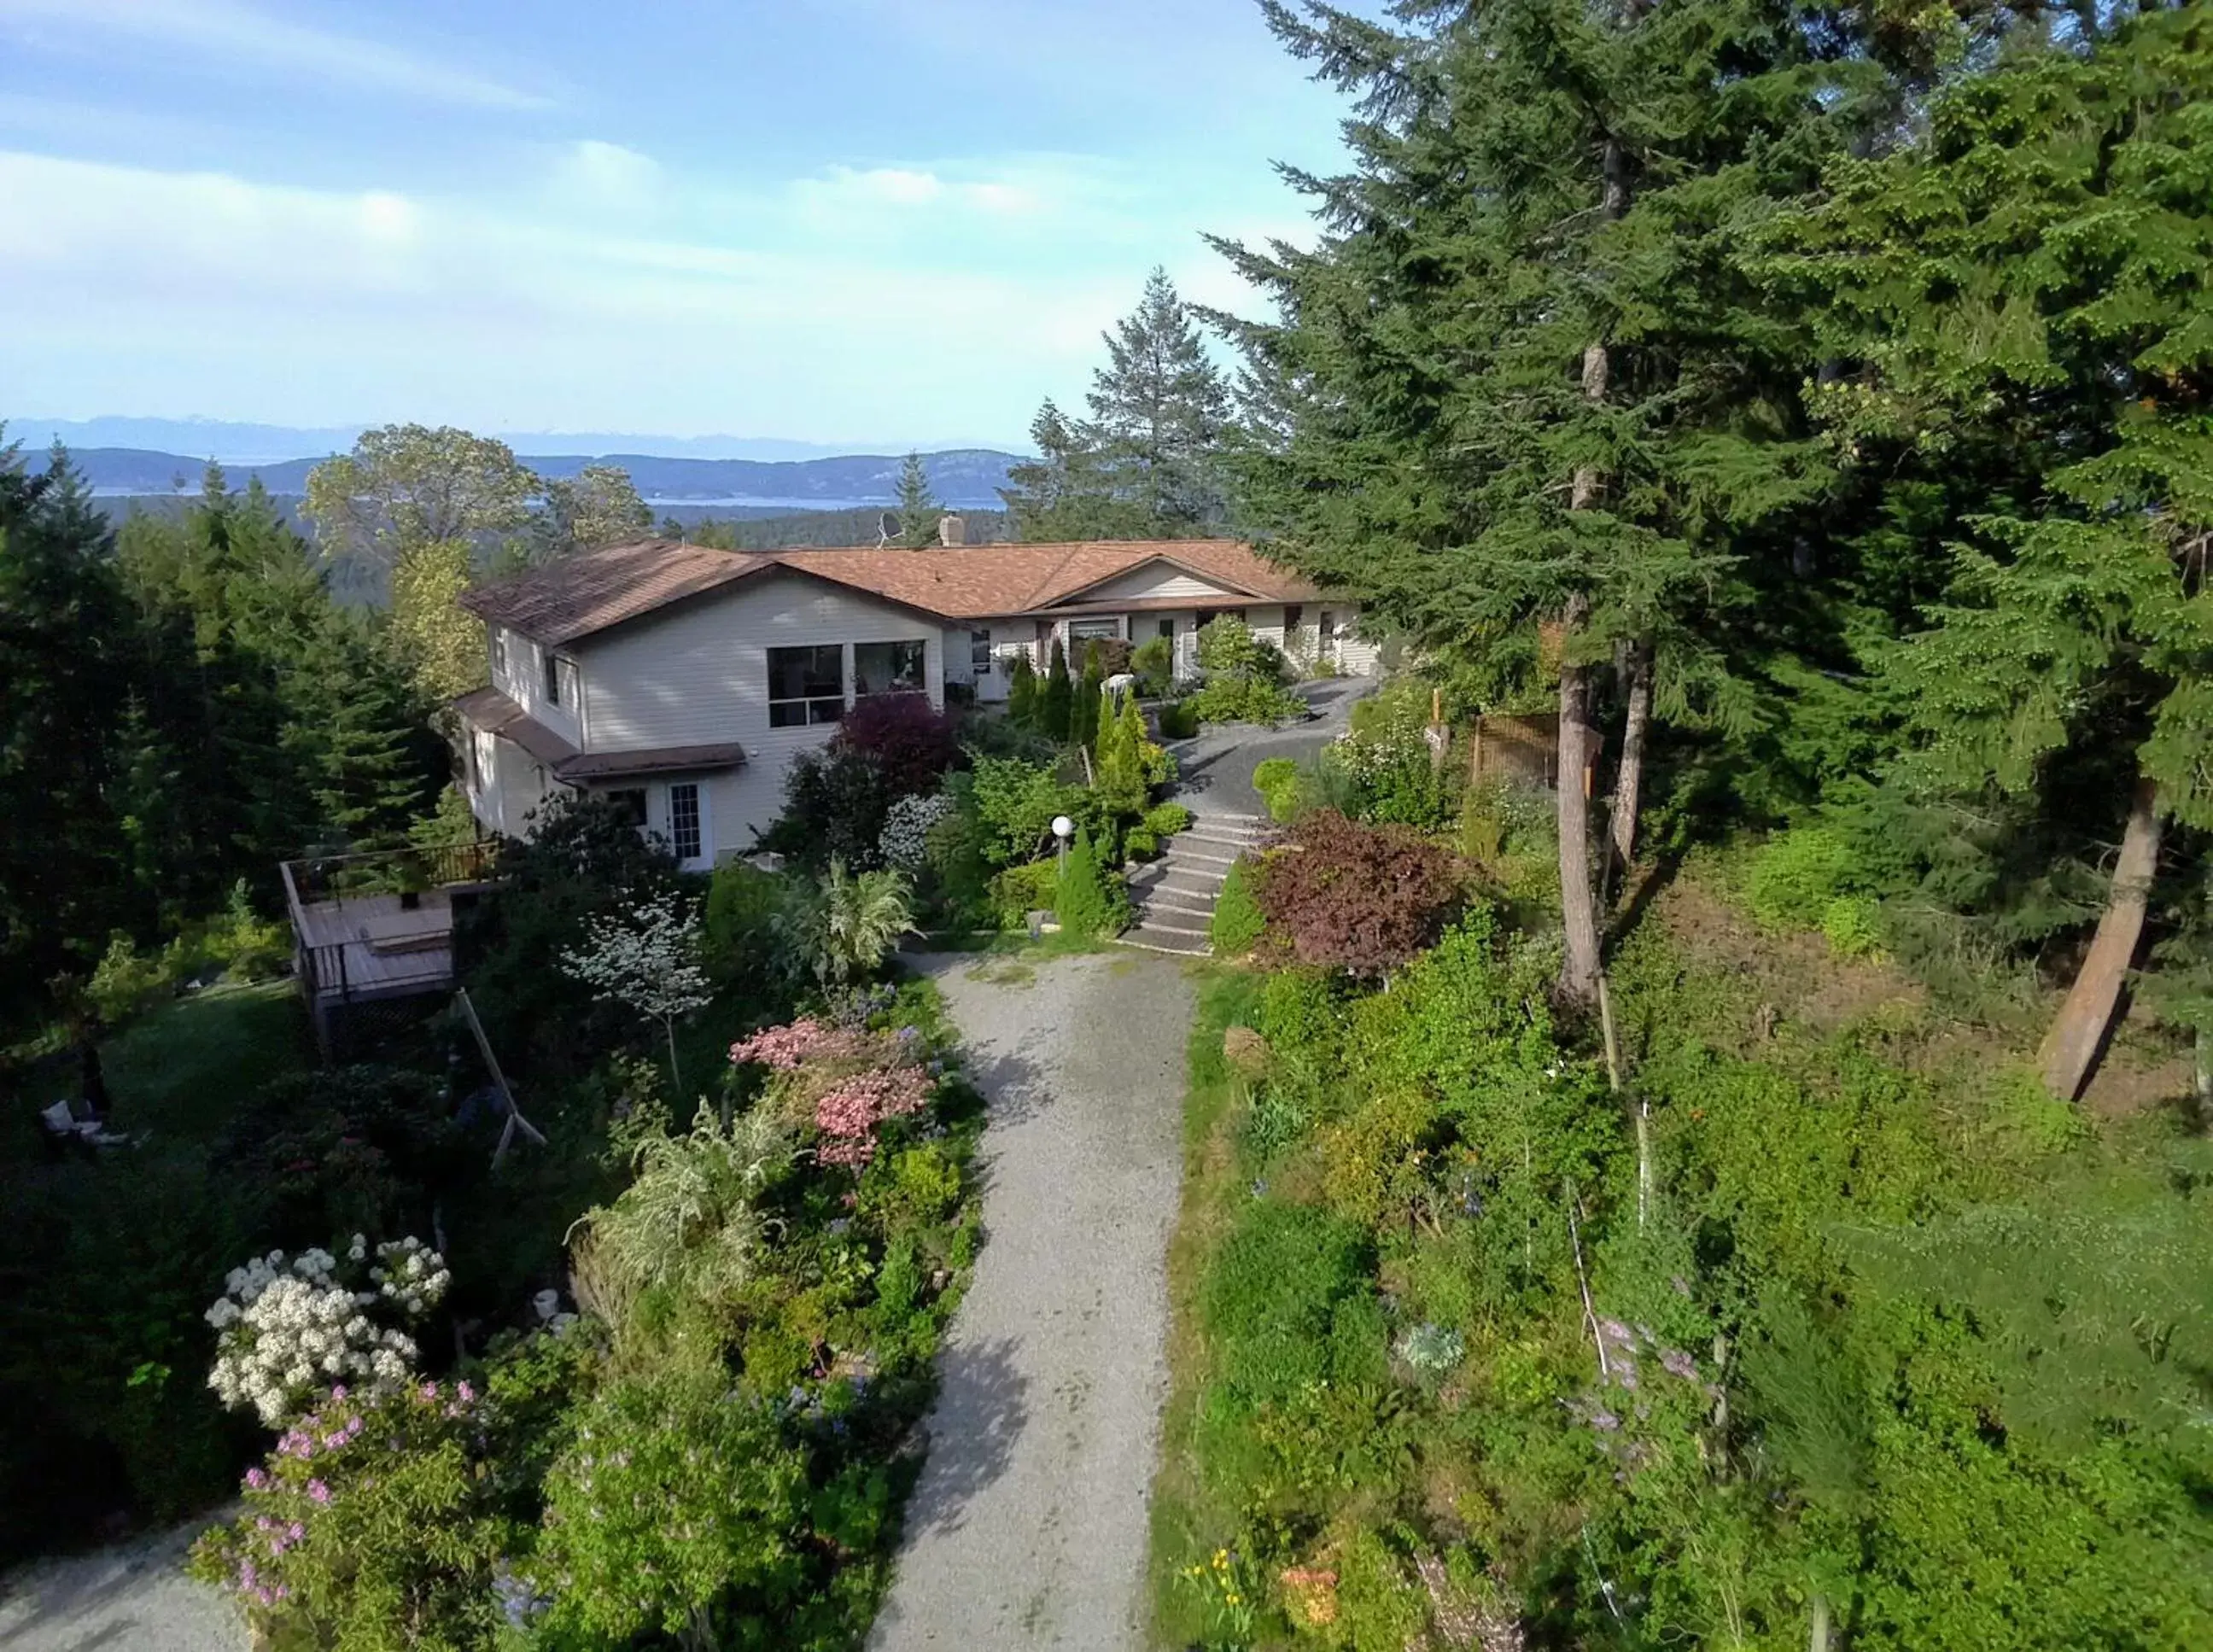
890, 667
805, 685
1095, 630
979, 653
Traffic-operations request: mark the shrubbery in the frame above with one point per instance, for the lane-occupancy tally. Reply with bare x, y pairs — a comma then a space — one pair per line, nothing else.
1361, 898
1243, 677
1809, 879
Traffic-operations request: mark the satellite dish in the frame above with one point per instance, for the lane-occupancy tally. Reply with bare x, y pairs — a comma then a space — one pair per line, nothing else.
888, 527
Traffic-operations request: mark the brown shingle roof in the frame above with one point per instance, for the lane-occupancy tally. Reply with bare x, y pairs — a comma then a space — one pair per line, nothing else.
493, 712
594, 590
988, 581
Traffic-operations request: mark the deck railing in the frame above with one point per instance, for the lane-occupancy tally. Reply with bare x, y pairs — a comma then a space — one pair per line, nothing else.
317, 879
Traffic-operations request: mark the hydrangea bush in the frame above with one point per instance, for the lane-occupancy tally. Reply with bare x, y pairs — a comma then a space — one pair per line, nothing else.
904, 843
289, 1329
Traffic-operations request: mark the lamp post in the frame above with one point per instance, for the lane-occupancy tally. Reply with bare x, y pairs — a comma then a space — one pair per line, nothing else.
1063, 830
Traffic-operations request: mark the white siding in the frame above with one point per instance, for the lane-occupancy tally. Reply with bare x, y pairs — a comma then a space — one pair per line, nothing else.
518, 671
507, 783
1157, 582
698, 674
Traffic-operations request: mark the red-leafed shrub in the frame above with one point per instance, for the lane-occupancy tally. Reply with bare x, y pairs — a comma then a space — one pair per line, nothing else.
910, 743
1355, 898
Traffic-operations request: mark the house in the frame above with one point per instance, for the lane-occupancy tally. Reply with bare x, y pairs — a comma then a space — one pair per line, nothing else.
680, 680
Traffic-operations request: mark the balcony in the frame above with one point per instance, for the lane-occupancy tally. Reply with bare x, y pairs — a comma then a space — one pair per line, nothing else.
368, 929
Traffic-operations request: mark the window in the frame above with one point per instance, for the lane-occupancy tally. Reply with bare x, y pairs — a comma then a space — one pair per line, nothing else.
979, 652
560, 680
805, 685
1094, 631
631, 801
1167, 630
684, 821
500, 668
890, 667
1325, 634
1292, 614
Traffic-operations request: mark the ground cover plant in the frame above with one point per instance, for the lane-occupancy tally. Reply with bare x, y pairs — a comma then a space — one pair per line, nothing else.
1827, 1303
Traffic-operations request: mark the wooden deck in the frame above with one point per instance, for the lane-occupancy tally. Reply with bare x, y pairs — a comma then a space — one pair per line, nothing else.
371, 947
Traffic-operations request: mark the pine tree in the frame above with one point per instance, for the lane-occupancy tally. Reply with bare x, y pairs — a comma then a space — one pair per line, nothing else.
65, 675
1527, 380
1065, 493
1057, 701
1159, 412
1079, 899
918, 509
2037, 270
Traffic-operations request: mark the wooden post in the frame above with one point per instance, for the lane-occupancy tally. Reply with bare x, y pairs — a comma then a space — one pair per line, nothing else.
1475, 755
514, 1119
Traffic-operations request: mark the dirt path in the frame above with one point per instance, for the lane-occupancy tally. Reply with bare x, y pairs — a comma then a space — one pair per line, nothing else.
1027, 1528
133, 1597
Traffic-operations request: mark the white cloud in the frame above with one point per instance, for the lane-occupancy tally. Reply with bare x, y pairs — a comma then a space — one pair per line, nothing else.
236, 33
603, 174
843, 189
392, 305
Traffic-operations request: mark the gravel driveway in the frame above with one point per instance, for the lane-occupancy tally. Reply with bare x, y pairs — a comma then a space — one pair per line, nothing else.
1027, 1528
133, 1597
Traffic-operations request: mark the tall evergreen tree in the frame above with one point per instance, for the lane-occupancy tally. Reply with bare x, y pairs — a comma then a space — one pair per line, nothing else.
1159, 411
1527, 379
1066, 492
919, 509
64, 678
2039, 271
1057, 698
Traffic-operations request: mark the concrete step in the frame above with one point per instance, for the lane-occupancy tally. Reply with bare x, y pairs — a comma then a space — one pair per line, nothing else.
1161, 899
1208, 879
1240, 841
1184, 923
1179, 850
1178, 946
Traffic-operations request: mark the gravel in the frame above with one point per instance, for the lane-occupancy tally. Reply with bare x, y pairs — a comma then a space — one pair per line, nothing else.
1028, 1526
132, 1597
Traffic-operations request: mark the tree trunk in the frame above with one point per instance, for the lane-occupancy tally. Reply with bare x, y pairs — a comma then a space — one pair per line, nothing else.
2070, 1049
1578, 908
1629, 781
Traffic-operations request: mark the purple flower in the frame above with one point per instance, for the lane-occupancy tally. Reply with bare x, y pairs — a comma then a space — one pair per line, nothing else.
1605, 1421
256, 1478
1615, 1330
1678, 1363
296, 1531
319, 1491
466, 1393
338, 1393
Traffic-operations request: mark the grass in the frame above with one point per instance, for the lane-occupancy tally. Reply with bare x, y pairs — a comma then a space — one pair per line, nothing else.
1183, 1522
181, 1071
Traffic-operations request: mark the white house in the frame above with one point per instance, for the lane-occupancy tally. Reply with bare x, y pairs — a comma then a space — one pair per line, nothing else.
681, 679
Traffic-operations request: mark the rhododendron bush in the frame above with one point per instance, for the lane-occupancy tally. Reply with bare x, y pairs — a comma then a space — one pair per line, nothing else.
846, 1082
290, 1330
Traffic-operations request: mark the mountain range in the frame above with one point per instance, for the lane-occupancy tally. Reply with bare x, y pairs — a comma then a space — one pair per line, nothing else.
965, 477
231, 441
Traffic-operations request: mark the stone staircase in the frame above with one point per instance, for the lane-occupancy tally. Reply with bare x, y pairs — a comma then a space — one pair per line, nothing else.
1173, 896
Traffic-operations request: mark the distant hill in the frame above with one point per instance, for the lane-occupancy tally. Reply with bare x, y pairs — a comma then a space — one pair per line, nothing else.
964, 478
234, 442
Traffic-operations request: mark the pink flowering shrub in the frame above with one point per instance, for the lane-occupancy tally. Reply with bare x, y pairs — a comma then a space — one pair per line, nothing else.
843, 1082
784, 1048
315, 1550
849, 1115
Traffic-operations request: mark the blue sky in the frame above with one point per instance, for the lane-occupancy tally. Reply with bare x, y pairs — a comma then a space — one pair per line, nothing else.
877, 222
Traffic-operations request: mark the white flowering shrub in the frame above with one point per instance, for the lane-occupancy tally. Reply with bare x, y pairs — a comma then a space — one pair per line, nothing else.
291, 1329
905, 841
646, 959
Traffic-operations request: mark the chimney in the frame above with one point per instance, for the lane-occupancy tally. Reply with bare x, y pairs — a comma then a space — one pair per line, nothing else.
951, 530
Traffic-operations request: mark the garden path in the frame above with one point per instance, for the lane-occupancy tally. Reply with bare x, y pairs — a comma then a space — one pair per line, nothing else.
129, 1597
1028, 1526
